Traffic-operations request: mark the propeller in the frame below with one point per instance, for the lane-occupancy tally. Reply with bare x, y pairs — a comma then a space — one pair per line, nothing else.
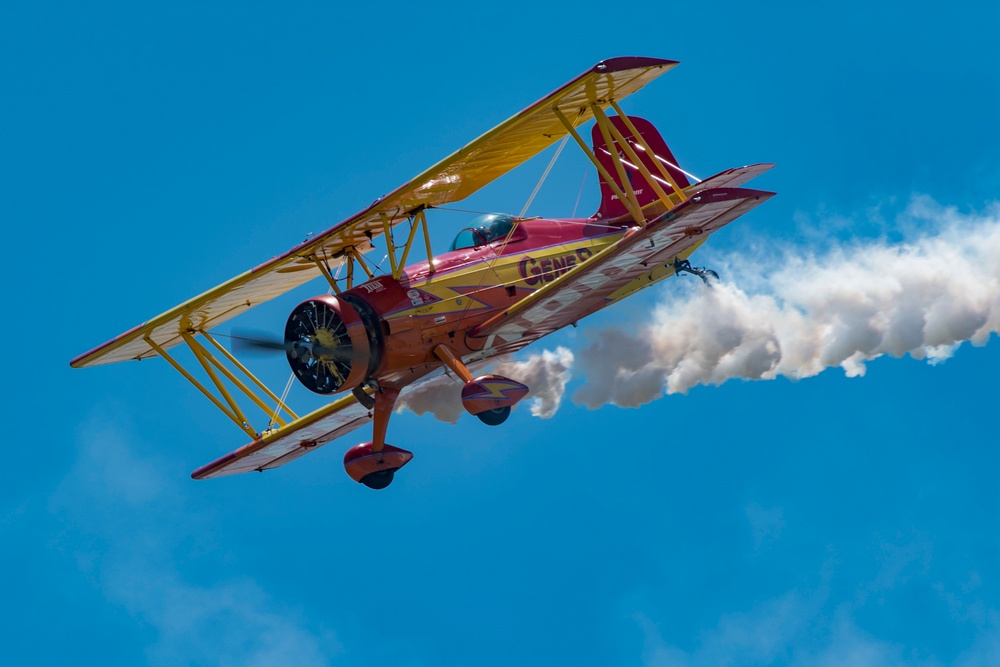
326, 349
260, 342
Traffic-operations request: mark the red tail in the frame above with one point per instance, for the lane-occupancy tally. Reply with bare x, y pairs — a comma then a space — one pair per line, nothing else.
611, 206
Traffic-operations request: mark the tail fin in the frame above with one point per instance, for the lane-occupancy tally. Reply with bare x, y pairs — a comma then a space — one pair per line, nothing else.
611, 206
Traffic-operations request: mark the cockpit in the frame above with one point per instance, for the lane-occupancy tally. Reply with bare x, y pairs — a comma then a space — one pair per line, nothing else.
484, 229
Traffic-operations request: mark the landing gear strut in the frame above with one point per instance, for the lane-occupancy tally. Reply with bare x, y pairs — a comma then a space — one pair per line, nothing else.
375, 463
488, 397
684, 266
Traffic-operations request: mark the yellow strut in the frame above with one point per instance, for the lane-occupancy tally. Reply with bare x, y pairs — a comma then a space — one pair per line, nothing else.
637, 215
390, 246
325, 270
406, 249
623, 142
427, 241
361, 262
642, 143
274, 414
206, 361
609, 144
190, 378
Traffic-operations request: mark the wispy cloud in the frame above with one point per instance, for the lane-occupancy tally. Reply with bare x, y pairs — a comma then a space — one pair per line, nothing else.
822, 623
790, 629
126, 508
756, 637
233, 622
765, 524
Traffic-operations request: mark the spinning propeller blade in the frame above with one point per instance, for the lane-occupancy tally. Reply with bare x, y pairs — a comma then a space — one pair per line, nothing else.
259, 342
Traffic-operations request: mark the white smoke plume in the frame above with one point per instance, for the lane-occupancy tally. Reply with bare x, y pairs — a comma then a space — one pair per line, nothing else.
795, 316
546, 374
440, 396
854, 303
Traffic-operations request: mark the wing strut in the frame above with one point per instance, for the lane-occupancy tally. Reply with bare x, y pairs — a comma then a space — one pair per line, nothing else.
225, 400
608, 127
427, 240
327, 273
629, 203
646, 149
609, 144
418, 220
280, 405
390, 245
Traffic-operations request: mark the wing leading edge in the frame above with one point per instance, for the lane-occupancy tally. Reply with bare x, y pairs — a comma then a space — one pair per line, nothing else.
499, 150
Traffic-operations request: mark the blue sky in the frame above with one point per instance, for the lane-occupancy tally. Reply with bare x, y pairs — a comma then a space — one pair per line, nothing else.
150, 153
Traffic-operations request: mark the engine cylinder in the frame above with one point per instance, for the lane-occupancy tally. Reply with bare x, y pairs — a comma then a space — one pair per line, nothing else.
329, 344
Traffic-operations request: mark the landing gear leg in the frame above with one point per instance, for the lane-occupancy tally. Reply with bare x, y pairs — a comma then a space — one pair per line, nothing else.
452, 361
488, 397
375, 463
384, 402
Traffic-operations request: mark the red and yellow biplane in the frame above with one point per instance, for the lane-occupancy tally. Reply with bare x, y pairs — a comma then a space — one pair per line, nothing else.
505, 282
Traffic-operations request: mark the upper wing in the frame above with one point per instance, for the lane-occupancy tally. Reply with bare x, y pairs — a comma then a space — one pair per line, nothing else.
614, 271
498, 151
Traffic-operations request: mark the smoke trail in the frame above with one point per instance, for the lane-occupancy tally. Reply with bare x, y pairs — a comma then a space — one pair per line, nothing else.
546, 373
440, 396
846, 307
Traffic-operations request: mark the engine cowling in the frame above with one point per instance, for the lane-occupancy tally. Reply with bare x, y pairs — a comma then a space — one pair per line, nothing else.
333, 343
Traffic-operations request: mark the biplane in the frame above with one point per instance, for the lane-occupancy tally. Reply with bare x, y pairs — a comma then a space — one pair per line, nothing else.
505, 282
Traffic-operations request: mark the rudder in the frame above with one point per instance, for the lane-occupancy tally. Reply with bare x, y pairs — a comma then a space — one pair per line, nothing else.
611, 206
